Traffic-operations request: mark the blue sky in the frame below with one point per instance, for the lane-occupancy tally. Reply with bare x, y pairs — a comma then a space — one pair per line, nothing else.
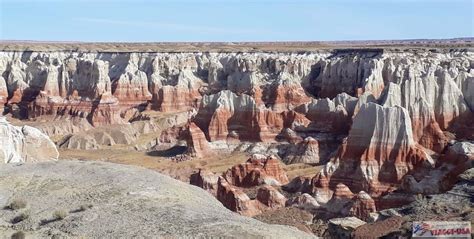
234, 20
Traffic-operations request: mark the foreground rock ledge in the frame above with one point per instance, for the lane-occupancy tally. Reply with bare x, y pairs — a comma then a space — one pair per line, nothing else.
126, 202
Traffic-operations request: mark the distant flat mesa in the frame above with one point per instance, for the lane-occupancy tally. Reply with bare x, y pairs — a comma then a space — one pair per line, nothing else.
293, 46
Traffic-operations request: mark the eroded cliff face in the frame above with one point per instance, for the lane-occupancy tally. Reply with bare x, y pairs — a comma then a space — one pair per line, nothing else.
102, 86
398, 110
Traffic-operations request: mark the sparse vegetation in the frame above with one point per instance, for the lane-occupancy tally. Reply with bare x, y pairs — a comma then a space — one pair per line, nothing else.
18, 235
21, 217
86, 206
16, 204
83, 207
60, 214
420, 198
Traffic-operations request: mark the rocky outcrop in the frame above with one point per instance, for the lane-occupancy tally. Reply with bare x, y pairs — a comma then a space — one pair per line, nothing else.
379, 229
326, 116
343, 227
258, 170
235, 199
306, 151
270, 197
258, 174
305, 202
131, 86
128, 202
3, 93
299, 184
101, 86
82, 90
24, 144
455, 205
228, 115
184, 95
362, 206
380, 148
206, 180
196, 142
107, 135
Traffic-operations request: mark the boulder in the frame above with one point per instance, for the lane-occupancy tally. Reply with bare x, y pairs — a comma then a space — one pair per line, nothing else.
24, 144
270, 197
305, 202
379, 229
343, 227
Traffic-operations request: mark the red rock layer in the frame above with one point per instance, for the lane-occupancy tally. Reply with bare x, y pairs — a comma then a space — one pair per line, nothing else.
130, 95
362, 206
270, 197
177, 98
226, 115
287, 97
262, 125
379, 151
103, 111
257, 170
236, 200
326, 116
426, 130
196, 141
205, 180
171, 135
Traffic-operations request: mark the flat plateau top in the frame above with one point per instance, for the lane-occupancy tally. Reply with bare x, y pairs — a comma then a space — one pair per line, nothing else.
312, 46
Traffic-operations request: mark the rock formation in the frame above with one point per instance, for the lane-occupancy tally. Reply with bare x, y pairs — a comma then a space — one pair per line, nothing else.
24, 144
196, 142
235, 199
3, 93
385, 123
258, 170
131, 86
306, 151
205, 180
343, 227
379, 151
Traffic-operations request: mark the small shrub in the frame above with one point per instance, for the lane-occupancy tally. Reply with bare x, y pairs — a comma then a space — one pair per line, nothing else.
85, 207
18, 235
21, 217
82, 208
17, 204
60, 214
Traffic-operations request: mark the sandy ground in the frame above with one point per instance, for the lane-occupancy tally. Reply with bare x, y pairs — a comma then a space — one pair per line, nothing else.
178, 170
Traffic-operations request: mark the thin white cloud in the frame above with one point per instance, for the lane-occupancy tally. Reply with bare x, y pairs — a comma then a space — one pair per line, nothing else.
170, 26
